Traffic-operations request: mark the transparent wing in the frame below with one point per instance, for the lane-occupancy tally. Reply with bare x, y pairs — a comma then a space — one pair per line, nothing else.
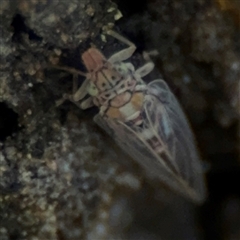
176, 132
178, 165
128, 140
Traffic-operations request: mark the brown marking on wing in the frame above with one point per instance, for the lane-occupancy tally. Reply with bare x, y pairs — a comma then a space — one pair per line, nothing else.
121, 99
137, 100
113, 112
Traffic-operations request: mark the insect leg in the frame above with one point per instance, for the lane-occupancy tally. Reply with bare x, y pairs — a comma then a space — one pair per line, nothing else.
82, 91
75, 72
87, 103
148, 67
123, 54
146, 55
82, 105
62, 100
145, 69
78, 94
75, 84
70, 70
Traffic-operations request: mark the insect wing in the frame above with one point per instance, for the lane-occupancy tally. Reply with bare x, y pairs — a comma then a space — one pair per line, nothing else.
130, 142
174, 129
179, 168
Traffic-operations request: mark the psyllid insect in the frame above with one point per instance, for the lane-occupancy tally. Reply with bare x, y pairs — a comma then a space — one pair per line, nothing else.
146, 120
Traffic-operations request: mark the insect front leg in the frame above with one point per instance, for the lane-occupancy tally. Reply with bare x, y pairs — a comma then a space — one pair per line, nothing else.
68, 96
81, 92
123, 54
88, 103
77, 95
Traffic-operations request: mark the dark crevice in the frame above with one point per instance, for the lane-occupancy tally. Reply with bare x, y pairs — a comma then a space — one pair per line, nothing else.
222, 186
131, 7
19, 27
8, 122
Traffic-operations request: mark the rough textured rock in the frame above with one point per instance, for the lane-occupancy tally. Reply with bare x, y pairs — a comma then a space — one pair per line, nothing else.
61, 177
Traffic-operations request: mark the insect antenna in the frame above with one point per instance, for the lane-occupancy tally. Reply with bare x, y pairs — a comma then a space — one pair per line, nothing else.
70, 70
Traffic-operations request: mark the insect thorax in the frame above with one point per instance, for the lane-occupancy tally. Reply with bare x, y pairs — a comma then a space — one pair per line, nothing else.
120, 94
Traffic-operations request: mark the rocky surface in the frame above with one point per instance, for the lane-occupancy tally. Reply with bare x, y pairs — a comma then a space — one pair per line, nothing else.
61, 177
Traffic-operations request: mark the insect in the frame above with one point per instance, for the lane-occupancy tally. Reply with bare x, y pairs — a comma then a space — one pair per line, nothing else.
145, 120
